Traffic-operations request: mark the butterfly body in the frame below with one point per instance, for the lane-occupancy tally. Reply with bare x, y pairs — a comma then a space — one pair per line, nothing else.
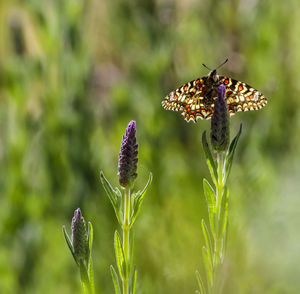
195, 99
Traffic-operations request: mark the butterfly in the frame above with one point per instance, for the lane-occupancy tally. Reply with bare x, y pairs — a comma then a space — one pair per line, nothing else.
195, 99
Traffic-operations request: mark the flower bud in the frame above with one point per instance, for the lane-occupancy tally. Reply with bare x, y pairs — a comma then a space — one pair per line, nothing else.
128, 159
80, 237
219, 133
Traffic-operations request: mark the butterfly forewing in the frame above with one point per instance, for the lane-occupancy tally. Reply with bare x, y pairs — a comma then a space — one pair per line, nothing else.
195, 99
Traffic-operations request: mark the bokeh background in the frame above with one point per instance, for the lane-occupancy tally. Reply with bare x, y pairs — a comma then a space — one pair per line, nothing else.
73, 73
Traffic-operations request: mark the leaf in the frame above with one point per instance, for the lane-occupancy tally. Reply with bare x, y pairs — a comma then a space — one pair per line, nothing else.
209, 159
131, 240
69, 243
224, 212
90, 237
208, 266
119, 255
114, 196
224, 243
133, 283
200, 283
90, 263
210, 197
138, 199
115, 279
91, 275
230, 154
207, 239
223, 223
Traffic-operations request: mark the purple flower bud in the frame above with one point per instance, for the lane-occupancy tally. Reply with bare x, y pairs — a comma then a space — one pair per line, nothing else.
79, 237
128, 157
219, 133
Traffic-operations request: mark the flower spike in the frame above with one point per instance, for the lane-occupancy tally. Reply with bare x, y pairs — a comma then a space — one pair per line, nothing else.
219, 135
128, 157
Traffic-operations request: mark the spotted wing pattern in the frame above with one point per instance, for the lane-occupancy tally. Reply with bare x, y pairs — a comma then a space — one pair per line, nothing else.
241, 96
195, 99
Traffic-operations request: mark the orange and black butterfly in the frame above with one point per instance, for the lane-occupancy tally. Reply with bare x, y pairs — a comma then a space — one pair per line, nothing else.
196, 99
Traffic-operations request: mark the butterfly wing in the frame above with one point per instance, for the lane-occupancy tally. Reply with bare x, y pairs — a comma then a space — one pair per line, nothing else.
194, 100
241, 96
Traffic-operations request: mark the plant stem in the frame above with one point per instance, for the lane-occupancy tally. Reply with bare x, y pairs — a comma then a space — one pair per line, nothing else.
86, 285
219, 195
126, 242
220, 187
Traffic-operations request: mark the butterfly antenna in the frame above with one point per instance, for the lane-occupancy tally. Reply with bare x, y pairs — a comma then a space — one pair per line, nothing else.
206, 66
222, 63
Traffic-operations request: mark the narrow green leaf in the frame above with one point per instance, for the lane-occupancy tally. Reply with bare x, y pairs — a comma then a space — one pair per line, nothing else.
230, 154
223, 223
138, 199
223, 245
114, 196
120, 203
69, 243
208, 267
207, 239
209, 159
224, 212
108, 189
90, 236
133, 284
89, 258
119, 255
115, 279
91, 275
131, 240
210, 197
200, 283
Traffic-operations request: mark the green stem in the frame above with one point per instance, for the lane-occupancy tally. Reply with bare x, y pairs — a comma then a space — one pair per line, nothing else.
219, 195
86, 288
126, 243
220, 186
86, 285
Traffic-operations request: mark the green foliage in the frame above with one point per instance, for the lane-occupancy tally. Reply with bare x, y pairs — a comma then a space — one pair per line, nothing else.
211, 163
217, 204
137, 200
126, 206
115, 280
200, 284
114, 196
120, 256
85, 265
126, 215
229, 155
209, 194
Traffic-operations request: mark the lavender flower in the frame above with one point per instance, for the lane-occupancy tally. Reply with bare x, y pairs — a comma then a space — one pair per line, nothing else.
128, 159
79, 237
219, 135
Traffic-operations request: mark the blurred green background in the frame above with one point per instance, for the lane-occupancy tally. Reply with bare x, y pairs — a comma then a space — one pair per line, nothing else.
73, 73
